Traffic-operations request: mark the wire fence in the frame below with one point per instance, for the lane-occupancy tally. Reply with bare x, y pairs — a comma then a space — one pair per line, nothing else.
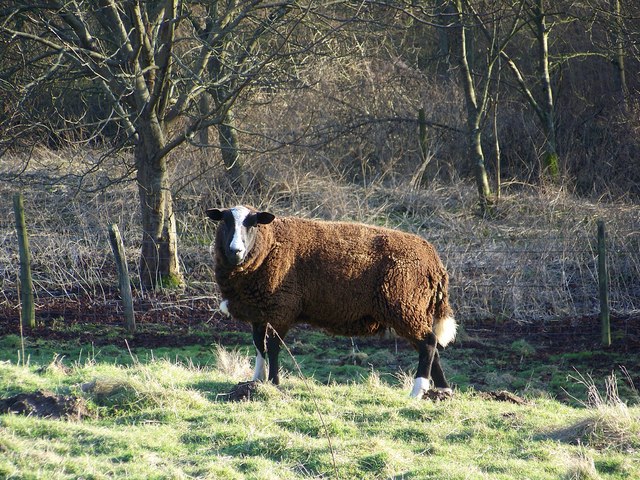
518, 279
543, 279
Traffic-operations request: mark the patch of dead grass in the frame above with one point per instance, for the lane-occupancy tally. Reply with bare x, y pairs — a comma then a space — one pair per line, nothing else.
609, 424
232, 363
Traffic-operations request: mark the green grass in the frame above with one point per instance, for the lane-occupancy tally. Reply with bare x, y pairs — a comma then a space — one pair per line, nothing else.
163, 415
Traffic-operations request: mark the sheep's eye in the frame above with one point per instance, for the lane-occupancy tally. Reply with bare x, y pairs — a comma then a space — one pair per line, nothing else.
250, 221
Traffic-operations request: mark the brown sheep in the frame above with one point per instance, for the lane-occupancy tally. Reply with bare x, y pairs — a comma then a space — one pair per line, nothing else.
346, 278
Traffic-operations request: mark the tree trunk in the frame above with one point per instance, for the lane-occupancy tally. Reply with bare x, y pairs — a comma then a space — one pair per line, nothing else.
618, 60
205, 108
550, 162
496, 143
231, 153
159, 257
445, 16
480, 172
474, 117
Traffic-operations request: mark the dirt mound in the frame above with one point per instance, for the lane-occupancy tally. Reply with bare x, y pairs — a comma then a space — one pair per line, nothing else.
243, 392
503, 396
45, 404
498, 396
437, 395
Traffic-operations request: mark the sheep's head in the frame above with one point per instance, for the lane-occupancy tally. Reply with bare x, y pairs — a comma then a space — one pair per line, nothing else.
237, 231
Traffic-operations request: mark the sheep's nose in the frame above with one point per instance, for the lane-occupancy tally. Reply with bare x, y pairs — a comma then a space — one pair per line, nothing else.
237, 254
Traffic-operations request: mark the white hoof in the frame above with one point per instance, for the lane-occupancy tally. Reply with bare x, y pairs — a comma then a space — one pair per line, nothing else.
224, 308
448, 391
260, 372
421, 385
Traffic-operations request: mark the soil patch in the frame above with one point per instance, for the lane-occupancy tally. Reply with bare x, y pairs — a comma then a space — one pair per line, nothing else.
561, 335
46, 405
181, 320
242, 392
167, 321
503, 396
437, 395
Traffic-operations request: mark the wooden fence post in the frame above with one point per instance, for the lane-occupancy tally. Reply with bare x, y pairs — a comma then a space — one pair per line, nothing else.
123, 276
603, 285
422, 133
27, 306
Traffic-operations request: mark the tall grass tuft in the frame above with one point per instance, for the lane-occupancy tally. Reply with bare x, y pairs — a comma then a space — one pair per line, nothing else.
155, 389
232, 363
581, 467
609, 424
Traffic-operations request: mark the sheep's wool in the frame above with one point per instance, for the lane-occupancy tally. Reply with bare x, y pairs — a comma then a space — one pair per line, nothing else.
224, 308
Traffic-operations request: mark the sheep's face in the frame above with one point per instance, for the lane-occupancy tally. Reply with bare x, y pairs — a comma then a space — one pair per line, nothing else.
237, 231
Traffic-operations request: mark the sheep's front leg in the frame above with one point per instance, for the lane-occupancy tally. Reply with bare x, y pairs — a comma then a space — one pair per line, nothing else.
427, 349
267, 343
259, 341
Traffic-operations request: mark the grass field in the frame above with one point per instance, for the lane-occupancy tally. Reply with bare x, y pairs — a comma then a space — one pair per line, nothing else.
165, 414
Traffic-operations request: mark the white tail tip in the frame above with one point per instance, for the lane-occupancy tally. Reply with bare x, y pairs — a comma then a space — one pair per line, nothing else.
224, 308
445, 330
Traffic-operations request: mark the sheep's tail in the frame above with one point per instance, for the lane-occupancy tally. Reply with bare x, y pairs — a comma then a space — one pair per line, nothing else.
444, 325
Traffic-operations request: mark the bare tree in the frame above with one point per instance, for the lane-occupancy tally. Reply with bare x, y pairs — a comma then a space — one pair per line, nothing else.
546, 111
452, 21
536, 14
618, 41
476, 100
532, 13
166, 70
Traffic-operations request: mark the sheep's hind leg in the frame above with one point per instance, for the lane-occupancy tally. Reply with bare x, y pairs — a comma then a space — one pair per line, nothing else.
438, 375
259, 341
427, 350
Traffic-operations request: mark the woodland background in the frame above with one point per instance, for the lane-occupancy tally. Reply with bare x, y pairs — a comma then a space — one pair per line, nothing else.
501, 131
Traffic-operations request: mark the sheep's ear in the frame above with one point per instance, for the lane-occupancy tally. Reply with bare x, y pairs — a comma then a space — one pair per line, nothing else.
214, 214
265, 217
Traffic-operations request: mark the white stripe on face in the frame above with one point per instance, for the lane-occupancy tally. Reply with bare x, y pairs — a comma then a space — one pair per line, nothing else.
237, 245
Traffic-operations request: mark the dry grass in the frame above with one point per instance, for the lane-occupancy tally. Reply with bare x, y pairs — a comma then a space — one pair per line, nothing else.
232, 363
533, 260
609, 424
581, 467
